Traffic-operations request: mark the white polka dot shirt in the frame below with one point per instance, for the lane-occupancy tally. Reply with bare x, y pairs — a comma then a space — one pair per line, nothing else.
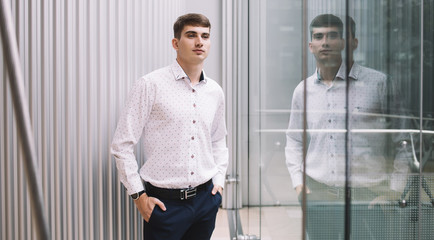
183, 129
326, 109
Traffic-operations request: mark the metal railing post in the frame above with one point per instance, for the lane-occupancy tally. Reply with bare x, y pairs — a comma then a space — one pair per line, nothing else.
10, 49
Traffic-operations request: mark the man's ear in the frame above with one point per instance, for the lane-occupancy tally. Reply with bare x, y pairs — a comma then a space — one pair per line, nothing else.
354, 43
175, 43
310, 47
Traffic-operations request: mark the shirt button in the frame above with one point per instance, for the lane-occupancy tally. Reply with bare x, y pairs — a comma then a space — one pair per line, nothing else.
194, 121
194, 104
332, 155
330, 120
192, 173
193, 90
192, 156
331, 137
189, 186
192, 138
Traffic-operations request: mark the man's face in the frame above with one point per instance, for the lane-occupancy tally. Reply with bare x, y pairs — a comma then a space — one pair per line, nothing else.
193, 46
326, 45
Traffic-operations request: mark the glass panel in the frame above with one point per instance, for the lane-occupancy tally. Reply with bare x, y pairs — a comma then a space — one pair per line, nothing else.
323, 94
252, 178
370, 128
275, 70
382, 120
427, 156
282, 75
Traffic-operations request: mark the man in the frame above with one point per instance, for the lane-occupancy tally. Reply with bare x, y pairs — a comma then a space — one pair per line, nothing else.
369, 100
179, 111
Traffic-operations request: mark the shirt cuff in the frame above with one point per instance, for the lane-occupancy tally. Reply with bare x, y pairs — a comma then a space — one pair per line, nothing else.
219, 180
135, 185
297, 179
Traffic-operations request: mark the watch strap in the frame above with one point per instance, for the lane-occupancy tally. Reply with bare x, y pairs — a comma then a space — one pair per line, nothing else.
137, 195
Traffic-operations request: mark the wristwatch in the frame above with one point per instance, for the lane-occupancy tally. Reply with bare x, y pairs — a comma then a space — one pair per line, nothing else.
136, 196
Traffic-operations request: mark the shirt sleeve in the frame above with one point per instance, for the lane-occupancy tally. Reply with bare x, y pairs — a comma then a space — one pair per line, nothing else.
294, 140
219, 148
403, 152
128, 132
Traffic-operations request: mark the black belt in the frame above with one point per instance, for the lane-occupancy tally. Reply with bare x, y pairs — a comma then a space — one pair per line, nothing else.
175, 194
357, 193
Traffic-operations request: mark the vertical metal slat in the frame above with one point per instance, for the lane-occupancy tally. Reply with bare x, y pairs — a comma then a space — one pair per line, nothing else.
12, 58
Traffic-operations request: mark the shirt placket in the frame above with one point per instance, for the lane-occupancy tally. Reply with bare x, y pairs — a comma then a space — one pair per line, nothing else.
192, 166
331, 135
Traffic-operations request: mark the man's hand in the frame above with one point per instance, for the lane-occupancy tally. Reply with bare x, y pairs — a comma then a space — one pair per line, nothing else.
217, 188
146, 205
385, 199
299, 189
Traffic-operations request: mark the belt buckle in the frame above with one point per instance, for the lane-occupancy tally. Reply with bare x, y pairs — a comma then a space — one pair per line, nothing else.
188, 193
340, 193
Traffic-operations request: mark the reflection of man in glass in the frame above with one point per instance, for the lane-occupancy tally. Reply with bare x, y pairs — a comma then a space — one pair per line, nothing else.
326, 151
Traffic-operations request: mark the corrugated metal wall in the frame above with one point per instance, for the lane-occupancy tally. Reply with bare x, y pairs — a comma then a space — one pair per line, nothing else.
79, 60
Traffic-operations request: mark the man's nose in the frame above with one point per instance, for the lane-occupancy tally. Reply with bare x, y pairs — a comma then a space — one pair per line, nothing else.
325, 41
199, 42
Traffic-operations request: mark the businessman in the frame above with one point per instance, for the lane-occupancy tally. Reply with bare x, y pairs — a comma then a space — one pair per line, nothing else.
180, 113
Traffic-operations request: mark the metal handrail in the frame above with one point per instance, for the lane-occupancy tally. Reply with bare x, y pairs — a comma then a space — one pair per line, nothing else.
10, 49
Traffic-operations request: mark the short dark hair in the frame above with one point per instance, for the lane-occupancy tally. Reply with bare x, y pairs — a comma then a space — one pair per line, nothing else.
190, 19
327, 20
352, 26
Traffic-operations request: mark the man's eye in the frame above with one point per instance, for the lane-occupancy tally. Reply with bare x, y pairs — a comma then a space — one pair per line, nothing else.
190, 35
318, 36
333, 35
205, 36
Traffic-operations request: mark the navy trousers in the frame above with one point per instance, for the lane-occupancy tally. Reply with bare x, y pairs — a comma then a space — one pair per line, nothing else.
191, 219
325, 211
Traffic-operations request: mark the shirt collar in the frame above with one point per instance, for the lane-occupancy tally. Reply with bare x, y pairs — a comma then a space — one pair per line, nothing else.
179, 73
354, 72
